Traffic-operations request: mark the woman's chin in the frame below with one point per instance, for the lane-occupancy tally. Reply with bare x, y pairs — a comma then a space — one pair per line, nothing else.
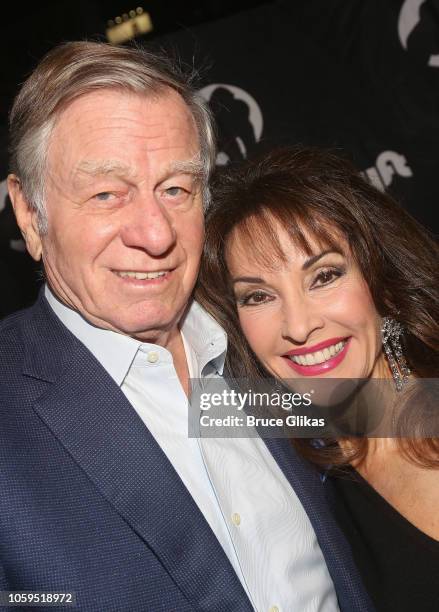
327, 389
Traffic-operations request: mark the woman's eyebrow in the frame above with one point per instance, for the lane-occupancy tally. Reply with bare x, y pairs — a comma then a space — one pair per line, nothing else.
312, 260
247, 279
308, 263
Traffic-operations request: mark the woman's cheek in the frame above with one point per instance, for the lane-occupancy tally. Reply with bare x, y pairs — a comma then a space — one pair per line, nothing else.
258, 329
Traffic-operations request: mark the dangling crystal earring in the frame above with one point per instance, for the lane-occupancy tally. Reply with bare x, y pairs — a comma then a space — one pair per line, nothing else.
391, 331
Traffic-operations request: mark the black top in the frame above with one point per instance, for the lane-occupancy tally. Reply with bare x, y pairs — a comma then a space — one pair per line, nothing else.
399, 563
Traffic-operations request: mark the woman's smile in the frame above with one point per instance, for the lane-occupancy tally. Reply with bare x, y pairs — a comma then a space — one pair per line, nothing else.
319, 359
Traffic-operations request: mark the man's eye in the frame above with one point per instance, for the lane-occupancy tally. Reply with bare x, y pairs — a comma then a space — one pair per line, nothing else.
175, 191
254, 299
103, 196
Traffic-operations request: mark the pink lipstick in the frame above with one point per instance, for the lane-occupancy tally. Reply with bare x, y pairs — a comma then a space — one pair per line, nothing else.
318, 368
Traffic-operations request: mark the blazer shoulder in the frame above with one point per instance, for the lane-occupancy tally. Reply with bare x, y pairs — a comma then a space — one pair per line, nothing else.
20, 326
12, 351
23, 352
11, 330
14, 336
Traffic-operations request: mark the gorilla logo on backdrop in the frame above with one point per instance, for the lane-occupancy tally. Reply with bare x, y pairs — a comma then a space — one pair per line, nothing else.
418, 29
239, 120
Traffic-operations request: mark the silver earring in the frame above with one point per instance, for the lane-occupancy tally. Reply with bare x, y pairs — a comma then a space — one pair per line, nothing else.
391, 332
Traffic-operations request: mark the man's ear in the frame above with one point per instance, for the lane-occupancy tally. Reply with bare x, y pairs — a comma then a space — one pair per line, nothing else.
26, 217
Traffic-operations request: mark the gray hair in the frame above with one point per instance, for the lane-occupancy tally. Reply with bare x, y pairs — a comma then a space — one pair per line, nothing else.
74, 69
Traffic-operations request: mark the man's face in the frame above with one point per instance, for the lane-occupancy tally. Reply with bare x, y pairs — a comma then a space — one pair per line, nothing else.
125, 220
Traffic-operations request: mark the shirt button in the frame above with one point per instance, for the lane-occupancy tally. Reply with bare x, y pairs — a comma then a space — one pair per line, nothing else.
273, 609
236, 518
152, 357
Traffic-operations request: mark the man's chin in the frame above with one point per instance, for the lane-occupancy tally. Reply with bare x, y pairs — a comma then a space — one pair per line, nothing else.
149, 329
143, 321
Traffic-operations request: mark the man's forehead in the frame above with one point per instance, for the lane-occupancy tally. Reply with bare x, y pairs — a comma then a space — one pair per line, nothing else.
111, 112
116, 94
113, 144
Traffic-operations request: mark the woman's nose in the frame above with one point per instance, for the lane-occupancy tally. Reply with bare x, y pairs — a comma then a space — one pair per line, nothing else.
300, 319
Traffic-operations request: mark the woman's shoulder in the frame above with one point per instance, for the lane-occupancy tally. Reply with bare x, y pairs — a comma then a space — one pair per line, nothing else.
395, 556
407, 494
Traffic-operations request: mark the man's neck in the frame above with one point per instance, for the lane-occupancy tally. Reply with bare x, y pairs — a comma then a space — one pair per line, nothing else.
176, 347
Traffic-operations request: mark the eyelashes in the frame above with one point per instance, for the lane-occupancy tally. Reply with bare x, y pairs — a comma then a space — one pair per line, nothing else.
323, 278
259, 297
102, 196
327, 276
175, 191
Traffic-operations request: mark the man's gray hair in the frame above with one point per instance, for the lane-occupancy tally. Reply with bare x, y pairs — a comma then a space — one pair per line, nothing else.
77, 68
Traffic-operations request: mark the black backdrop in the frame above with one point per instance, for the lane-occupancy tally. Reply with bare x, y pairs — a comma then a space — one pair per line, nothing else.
359, 77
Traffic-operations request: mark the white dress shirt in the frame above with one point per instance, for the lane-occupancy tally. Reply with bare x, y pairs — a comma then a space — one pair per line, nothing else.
235, 482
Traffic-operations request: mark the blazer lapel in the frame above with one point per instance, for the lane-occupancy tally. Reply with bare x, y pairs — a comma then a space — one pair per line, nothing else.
313, 495
96, 424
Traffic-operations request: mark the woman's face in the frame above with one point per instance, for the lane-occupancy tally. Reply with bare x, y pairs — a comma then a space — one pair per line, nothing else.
311, 316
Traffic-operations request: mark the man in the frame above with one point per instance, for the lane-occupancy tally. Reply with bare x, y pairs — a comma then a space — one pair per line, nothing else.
103, 494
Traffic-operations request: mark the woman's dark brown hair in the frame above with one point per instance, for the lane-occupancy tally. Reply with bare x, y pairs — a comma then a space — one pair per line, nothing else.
314, 194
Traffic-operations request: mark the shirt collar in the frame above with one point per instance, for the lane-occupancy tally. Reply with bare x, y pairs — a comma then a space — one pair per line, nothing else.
205, 336
116, 352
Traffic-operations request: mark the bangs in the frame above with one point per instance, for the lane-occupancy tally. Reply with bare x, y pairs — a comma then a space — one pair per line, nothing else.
259, 234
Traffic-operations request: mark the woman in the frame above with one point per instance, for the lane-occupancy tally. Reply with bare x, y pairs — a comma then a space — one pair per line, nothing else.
314, 272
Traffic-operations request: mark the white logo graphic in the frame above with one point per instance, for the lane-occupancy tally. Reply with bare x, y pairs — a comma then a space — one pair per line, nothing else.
241, 111
388, 163
16, 245
3, 194
409, 17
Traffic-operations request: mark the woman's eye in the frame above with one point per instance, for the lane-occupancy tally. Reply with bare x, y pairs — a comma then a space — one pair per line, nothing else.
327, 276
254, 299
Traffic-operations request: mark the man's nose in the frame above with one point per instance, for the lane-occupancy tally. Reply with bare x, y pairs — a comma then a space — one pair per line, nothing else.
301, 317
148, 226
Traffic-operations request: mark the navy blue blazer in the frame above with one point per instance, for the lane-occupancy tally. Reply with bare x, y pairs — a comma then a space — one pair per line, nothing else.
90, 504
